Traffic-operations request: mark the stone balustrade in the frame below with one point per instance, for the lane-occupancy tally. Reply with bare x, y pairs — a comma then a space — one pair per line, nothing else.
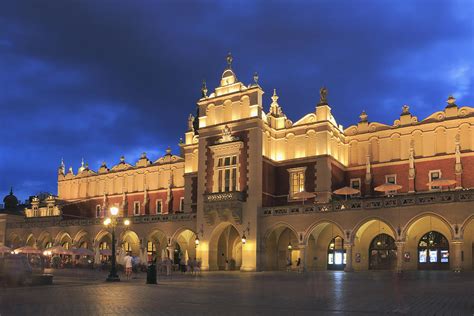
373, 203
57, 221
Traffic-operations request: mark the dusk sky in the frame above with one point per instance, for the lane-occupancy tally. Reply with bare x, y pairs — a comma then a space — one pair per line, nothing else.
101, 79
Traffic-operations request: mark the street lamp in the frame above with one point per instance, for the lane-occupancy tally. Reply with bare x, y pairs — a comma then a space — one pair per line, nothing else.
196, 241
290, 246
112, 222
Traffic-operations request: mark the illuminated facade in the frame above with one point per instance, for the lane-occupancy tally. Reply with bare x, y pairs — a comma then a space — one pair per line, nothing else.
241, 172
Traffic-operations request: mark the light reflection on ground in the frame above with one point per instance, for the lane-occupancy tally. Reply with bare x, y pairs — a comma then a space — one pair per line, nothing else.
227, 293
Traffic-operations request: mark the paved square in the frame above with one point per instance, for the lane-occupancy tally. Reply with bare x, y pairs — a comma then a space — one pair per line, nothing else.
234, 293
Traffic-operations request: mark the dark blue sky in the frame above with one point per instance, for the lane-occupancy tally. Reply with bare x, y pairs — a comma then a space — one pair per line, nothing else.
98, 79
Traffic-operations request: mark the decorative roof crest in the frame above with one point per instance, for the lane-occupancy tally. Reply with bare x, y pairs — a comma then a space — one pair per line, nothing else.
226, 136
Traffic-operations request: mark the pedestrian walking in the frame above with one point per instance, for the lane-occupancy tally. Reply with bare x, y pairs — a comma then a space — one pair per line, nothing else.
128, 265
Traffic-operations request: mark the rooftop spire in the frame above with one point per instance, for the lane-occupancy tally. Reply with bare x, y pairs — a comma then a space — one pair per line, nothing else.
204, 89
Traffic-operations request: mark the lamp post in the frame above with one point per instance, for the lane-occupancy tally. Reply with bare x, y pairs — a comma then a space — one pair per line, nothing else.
112, 222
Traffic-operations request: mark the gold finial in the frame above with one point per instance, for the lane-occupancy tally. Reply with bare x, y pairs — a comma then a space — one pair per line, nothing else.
274, 96
229, 60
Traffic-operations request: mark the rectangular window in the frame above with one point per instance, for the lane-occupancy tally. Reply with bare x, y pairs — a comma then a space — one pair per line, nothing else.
97, 211
297, 178
159, 206
434, 175
391, 178
136, 208
355, 184
227, 174
181, 204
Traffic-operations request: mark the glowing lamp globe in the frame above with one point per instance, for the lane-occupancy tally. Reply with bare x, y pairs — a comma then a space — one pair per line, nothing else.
114, 211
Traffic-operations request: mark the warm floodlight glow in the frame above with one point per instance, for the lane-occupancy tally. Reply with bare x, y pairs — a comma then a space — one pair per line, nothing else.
107, 221
126, 222
114, 210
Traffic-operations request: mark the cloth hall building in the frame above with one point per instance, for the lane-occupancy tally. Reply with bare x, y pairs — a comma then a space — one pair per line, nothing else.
257, 189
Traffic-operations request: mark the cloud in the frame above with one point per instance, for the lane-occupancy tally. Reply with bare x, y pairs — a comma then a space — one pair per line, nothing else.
98, 79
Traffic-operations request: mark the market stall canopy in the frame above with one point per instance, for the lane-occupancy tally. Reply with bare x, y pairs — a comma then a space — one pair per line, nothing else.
27, 250
5, 249
59, 250
105, 252
346, 191
82, 252
387, 187
441, 183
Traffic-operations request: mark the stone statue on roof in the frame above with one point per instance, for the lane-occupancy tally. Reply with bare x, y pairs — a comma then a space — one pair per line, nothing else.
323, 95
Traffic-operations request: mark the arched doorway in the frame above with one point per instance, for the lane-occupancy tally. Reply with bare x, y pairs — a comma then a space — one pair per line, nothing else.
185, 241
225, 248
131, 243
281, 246
382, 253
433, 252
374, 245
336, 259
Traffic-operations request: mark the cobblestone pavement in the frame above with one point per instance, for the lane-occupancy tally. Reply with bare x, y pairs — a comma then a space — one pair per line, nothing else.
235, 293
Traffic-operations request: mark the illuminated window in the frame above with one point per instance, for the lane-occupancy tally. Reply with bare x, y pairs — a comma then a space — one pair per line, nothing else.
355, 184
181, 204
391, 178
227, 174
297, 178
127, 247
151, 248
136, 208
434, 175
35, 211
50, 210
97, 211
159, 206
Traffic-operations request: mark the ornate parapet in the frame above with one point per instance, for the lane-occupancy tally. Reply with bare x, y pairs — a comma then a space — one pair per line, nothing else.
224, 205
373, 203
51, 222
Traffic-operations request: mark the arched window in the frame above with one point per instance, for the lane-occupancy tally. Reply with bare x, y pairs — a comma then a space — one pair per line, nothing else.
151, 248
336, 254
433, 252
382, 253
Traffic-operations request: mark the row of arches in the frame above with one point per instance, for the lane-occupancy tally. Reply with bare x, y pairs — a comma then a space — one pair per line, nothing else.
374, 244
157, 244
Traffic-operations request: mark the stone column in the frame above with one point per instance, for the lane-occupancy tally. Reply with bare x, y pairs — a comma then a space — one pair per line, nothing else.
302, 257
400, 252
348, 267
456, 255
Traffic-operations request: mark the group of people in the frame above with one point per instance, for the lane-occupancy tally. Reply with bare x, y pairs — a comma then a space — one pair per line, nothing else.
289, 265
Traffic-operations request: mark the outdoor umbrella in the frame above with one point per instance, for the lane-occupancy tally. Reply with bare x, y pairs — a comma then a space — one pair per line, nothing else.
441, 183
5, 249
303, 195
105, 252
82, 252
27, 250
59, 250
387, 187
346, 191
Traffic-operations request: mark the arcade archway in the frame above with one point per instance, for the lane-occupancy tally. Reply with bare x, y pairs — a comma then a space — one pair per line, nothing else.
325, 247
225, 248
131, 242
281, 246
468, 245
433, 252
383, 253
374, 246
418, 233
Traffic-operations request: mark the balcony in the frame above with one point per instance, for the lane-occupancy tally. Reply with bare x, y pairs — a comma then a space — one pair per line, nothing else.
225, 196
373, 203
225, 205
